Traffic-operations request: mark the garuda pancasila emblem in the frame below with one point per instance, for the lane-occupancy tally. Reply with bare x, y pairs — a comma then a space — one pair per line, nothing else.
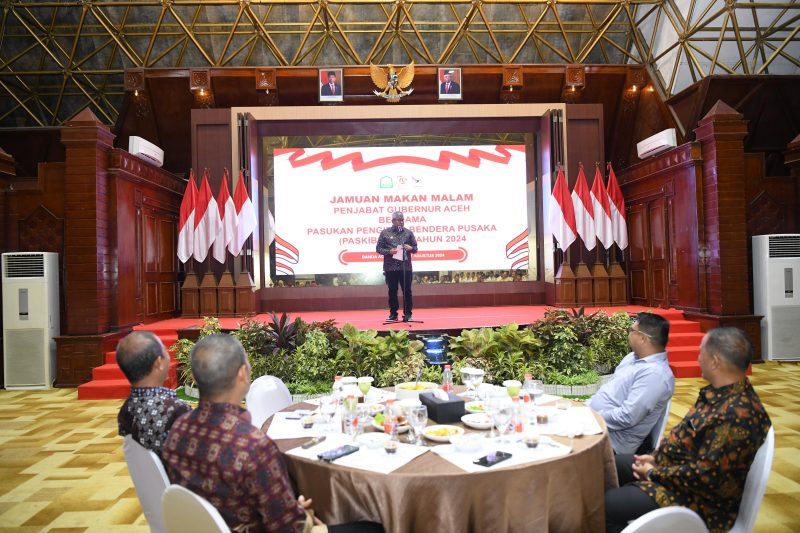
393, 84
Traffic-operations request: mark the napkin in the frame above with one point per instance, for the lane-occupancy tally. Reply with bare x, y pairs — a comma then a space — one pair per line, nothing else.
520, 454
374, 460
283, 428
573, 421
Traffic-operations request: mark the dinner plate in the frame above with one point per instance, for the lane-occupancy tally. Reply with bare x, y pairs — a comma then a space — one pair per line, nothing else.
402, 428
477, 421
475, 407
441, 432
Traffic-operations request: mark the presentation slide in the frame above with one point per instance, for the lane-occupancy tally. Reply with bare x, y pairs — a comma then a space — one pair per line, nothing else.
465, 204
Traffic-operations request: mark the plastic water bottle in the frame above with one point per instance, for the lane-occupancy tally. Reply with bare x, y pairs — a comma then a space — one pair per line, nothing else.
517, 417
447, 379
337, 388
527, 385
389, 420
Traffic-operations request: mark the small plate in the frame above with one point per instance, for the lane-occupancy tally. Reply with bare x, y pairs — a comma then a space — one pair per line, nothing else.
442, 432
475, 407
373, 440
477, 421
374, 408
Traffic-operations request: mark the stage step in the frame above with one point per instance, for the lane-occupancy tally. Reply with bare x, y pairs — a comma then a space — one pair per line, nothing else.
685, 369
683, 326
108, 378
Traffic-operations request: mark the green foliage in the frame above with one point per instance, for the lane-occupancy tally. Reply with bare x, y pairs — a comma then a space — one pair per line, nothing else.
352, 349
182, 349
584, 378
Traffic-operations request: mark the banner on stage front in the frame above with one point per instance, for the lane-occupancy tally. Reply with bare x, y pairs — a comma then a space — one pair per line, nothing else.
465, 204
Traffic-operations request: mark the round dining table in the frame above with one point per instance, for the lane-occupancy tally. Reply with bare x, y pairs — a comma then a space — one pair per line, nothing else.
430, 494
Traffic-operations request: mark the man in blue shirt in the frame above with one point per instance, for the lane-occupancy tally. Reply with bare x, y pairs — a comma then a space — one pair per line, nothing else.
632, 403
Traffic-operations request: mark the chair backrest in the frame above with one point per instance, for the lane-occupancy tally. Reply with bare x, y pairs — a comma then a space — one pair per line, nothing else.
267, 396
149, 479
657, 433
755, 485
668, 520
186, 512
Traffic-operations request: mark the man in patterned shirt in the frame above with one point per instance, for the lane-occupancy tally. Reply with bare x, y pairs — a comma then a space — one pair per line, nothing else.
215, 451
704, 462
150, 410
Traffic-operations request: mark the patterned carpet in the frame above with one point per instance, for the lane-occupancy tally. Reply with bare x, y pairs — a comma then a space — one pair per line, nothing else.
62, 468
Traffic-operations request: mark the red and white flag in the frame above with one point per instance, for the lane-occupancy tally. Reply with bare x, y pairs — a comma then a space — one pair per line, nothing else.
584, 212
186, 225
561, 213
602, 211
206, 220
618, 221
227, 216
246, 221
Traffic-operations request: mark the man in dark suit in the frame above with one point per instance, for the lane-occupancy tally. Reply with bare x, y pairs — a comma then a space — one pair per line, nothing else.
331, 88
449, 86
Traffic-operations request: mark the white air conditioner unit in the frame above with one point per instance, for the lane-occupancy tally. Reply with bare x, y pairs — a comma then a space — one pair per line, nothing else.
776, 294
146, 150
657, 143
30, 319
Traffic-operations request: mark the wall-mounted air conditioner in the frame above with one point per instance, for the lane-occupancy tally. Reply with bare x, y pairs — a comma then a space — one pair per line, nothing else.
656, 144
30, 319
146, 150
776, 294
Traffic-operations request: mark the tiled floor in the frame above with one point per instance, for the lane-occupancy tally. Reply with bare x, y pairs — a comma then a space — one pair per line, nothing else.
62, 468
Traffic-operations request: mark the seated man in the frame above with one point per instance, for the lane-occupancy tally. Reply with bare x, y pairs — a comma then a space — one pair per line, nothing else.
215, 451
703, 463
632, 403
151, 409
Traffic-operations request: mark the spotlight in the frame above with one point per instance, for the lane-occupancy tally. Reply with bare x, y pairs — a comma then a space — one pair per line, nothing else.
435, 350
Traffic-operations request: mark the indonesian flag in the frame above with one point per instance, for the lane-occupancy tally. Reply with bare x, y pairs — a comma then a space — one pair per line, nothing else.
227, 216
584, 212
246, 221
186, 226
561, 213
602, 211
206, 220
618, 222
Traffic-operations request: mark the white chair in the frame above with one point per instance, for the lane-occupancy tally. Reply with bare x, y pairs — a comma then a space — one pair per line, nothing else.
755, 485
668, 520
186, 512
149, 479
267, 396
657, 433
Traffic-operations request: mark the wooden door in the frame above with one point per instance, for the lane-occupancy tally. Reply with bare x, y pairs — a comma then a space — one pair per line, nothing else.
158, 265
648, 250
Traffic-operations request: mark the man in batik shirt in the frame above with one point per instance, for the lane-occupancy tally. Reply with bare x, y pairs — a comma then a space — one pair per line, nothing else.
215, 451
704, 462
150, 410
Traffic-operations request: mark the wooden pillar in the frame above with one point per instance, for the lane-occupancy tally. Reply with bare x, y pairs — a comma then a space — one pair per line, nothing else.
225, 295
600, 285
190, 296
245, 297
583, 285
565, 286
88, 246
619, 284
208, 295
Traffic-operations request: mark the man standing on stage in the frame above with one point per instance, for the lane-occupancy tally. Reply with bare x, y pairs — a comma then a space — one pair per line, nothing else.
396, 244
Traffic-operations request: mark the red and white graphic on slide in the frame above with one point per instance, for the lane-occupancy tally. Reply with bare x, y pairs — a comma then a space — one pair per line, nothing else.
517, 250
285, 255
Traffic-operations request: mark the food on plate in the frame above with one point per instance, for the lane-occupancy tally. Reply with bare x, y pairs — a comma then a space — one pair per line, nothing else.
443, 431
475, 407
418, 386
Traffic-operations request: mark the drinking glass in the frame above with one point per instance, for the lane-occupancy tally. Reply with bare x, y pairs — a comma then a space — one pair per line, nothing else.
328, 406
468, 376
537, 390
418, 418
490, 404
364, 384
501, 416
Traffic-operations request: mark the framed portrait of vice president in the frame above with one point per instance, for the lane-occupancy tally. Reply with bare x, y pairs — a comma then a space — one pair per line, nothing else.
450, 83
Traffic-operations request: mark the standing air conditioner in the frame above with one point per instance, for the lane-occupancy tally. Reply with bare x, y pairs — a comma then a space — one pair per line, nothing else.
30, 319
776, 294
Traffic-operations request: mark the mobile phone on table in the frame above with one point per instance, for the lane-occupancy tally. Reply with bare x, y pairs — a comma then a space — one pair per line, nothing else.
336, 453
492, 458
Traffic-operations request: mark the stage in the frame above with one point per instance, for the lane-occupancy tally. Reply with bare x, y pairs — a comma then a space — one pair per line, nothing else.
684, 340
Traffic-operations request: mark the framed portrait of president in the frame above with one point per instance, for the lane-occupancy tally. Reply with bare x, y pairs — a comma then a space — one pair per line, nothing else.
450, 83
331, 88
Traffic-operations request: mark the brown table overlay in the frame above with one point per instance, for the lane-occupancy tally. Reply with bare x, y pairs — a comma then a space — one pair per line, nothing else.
430, 494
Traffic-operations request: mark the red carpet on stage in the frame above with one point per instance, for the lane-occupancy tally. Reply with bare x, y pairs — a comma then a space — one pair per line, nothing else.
108, 382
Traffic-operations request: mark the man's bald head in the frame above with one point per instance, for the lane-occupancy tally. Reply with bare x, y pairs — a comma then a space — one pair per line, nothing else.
137, 353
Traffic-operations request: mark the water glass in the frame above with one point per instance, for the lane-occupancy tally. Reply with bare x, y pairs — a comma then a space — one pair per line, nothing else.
501, 417
537, 390
418, 418
328, 405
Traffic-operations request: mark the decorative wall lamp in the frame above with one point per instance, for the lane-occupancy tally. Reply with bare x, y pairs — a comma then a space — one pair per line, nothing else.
511, 90
266, 80
635, 79
133, 81
200, 85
